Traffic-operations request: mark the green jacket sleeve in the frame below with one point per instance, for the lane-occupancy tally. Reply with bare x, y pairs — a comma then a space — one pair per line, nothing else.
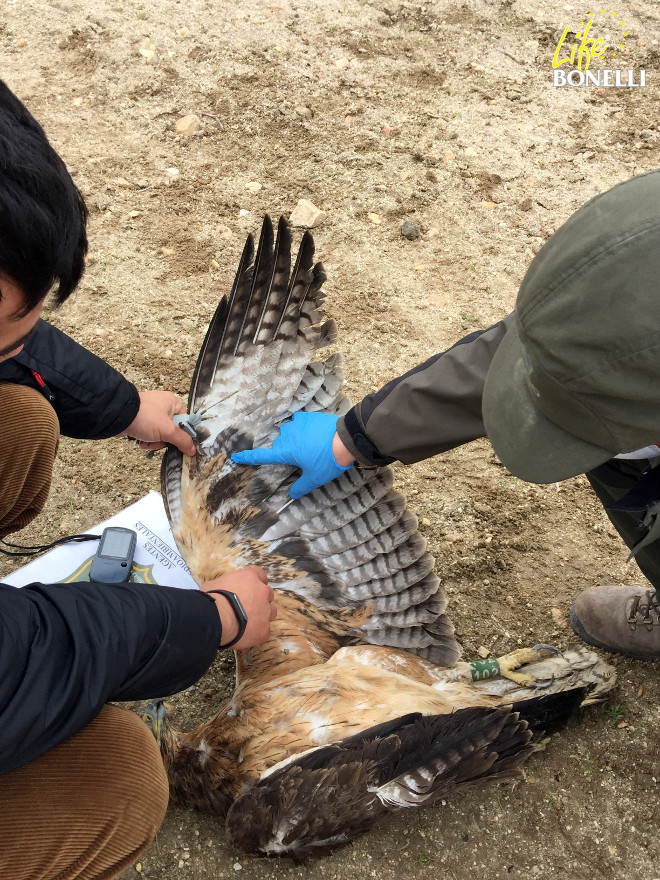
430, 409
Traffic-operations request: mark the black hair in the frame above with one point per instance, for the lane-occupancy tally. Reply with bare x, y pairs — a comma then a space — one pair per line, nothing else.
42, 214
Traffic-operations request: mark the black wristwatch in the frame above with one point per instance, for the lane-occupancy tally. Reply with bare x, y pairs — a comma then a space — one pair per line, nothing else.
239, 612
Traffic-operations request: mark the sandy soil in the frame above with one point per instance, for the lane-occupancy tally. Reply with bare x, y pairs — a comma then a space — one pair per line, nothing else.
443, 114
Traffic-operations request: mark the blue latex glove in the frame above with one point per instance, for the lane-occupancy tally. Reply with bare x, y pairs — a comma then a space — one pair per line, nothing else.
306, 442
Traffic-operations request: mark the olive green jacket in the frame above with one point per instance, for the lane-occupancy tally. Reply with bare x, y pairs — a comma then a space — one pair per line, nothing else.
430, 409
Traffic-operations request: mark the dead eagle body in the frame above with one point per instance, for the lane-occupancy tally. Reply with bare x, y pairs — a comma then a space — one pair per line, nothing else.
349, 710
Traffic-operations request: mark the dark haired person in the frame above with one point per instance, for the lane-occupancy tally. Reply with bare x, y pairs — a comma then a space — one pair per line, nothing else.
82, 785
567, 384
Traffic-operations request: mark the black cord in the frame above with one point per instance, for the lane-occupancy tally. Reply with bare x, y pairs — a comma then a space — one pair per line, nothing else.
39, 548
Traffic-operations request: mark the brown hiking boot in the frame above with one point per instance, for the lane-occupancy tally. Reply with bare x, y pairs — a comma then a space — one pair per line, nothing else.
622, 620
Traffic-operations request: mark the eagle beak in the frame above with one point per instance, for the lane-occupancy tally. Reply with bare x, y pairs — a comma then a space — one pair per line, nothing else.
154, 716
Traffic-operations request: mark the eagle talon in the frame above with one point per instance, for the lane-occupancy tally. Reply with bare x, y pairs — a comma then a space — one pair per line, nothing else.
543, 647
510, 662
187, 423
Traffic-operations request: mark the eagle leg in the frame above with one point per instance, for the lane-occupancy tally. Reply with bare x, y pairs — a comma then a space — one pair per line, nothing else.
508, 663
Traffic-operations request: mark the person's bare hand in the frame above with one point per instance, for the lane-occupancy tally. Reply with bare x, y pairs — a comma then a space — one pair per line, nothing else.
153, 426
256, 596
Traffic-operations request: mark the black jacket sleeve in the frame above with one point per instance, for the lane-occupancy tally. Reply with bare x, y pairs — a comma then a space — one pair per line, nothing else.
92, 400
430, 409
66, 649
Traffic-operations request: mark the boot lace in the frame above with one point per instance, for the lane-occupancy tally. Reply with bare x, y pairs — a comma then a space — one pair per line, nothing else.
644, 609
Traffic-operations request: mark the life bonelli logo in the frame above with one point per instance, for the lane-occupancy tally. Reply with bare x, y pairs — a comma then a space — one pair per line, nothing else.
601, 39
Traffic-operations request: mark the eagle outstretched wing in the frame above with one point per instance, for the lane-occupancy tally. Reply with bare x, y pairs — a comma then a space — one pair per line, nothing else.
351, 543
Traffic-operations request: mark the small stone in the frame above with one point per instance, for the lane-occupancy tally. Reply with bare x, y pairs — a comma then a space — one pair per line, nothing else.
77, 102
134, 214
526, 205
432, 175
138, 867
117, 181
640, 691
306, 214
405, 174
224, 231
185, 855
433, 232
646, 134
21, 43
410, 230
559, 618
172, 172
341, 63
243, 212
488, 206
181, 863
167, 251
386, 130
208, 692
188, 125
483, 652
425, 521
147, 49
183, 32
215, 264
167, 353
449, 156
453, 537
253, 186
374, 218
452, 56
305, 112
470, 151
238, 866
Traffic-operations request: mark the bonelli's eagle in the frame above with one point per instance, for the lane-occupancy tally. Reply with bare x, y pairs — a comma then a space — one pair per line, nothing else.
358, 705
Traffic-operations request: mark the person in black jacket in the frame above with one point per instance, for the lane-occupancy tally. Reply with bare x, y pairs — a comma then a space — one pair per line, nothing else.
82, 785
567, 384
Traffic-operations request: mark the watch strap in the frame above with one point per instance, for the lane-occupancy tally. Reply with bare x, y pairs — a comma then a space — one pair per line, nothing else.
239, 613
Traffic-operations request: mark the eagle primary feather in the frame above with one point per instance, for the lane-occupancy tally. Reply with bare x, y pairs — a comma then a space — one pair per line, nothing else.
356, 705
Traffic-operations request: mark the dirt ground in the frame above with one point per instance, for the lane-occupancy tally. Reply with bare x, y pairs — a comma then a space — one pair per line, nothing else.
379, 111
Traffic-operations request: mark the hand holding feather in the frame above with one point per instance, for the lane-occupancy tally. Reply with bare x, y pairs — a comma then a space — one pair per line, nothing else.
307, 442
153, 426
256, 596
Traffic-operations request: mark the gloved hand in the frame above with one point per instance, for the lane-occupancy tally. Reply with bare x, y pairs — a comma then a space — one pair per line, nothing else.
306, 442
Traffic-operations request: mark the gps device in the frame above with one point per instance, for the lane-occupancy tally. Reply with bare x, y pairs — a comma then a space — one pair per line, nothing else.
114, 556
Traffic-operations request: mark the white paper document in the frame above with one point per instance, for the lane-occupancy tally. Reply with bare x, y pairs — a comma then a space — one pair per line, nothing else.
156, 561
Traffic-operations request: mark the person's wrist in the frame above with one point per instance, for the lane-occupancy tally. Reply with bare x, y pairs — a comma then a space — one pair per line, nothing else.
340, 453
228, 640
228, 621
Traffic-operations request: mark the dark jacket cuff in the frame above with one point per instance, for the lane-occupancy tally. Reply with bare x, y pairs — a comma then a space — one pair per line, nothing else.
354, 437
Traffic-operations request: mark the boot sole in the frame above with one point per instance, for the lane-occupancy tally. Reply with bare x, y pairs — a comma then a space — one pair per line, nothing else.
590, 640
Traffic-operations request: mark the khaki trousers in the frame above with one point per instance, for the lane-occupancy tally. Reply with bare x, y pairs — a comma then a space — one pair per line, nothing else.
87, 808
